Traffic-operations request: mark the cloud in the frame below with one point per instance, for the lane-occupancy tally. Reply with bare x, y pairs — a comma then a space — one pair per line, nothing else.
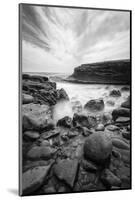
59, 39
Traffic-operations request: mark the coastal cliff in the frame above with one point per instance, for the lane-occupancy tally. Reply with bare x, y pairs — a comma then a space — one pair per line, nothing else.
108, 72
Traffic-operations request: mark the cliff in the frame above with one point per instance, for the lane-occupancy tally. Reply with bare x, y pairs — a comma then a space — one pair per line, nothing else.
109, 72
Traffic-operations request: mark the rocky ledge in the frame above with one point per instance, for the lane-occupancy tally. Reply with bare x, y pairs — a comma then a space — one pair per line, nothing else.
109, 72
86, 152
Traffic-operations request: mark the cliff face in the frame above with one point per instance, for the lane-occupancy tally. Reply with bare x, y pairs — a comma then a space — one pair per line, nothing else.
115, 72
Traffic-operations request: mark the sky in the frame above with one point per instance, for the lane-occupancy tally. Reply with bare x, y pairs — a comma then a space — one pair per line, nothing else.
58, 39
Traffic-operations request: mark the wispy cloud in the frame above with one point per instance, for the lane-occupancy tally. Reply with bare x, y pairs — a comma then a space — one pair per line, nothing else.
59, 39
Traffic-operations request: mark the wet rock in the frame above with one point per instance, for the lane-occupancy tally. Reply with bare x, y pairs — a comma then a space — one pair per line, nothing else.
37, 152
62, 95
86, 132
126, 104
94, 105
62, 189
32, 135
50, 134
123, 120
65, 122
112, 128
81, 121
126, 135
33, 179
115, 93
66, 170
36, 117
49, 190
89, 166
26, 98
98, 147
35, 78
110, 102
119, 143
100, 127
125, 88
109, 179
72, 133
120, 112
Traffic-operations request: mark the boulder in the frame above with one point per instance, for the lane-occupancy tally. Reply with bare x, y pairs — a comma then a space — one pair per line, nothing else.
115, 93
89, 166
119, 143
37, 152
35, 78
94, 105
50, 134
62, 95
26, 98
109, 179
83, 120
98, 147
32, 135
120, 112
36, 117
126, 135
125, 88
33, 179
66, 170
65, 122
126, 104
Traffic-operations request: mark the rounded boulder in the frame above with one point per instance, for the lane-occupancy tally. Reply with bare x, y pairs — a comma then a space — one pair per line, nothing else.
98, 147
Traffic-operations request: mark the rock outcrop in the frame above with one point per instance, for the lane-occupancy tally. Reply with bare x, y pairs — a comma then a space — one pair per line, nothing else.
117, 71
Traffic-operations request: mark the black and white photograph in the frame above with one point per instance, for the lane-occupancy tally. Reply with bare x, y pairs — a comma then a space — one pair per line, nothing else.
75, 99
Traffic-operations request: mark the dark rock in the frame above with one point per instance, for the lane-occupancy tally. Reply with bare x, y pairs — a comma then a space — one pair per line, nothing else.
86, 132
89, 166
36, 117
33, 179
95, 105
33, 135
65, 122
109, 179
81, 120
120, 112
115, 93
72, 133
62, 95
38, 152
49, 190
98, 147
126, 104
125, 88
62, 189
50, 134
35, 78
66, 170
117, 71
26, 98
119, 143
126, 135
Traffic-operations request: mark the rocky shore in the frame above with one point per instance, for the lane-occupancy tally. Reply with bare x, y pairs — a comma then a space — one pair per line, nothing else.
87, 152
109, 72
